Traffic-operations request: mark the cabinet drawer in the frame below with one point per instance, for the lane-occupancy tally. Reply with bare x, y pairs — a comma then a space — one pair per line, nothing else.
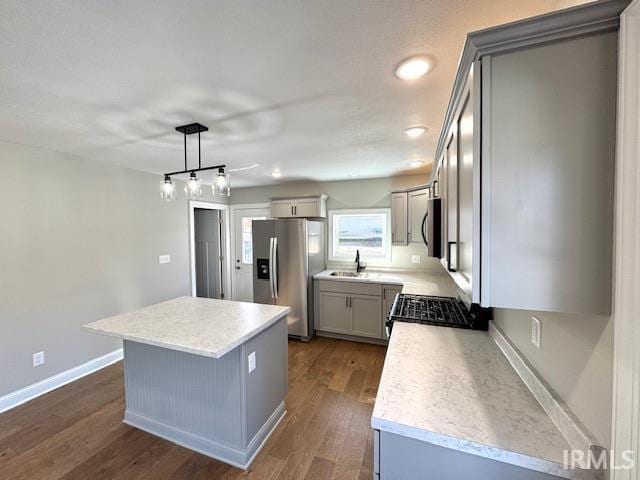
358, 288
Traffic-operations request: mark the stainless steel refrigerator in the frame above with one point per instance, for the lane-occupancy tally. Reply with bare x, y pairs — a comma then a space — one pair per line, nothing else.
286, 255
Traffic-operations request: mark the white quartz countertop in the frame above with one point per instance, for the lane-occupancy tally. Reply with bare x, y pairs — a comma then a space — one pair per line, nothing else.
413, 282
454, 388
201, 326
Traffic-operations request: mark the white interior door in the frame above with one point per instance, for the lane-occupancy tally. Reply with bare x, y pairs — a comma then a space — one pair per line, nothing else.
243, 254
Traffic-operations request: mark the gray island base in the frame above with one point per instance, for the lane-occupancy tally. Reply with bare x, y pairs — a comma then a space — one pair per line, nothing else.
192, 386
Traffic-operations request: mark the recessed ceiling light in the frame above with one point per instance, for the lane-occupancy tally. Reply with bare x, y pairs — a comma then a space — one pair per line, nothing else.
413, 67
276, 174
414, 132
416, 163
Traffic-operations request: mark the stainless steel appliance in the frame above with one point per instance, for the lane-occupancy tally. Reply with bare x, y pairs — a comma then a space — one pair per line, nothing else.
431, 226
286, 255
433, 310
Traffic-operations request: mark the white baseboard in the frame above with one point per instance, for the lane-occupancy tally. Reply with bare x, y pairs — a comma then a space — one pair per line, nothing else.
18, 397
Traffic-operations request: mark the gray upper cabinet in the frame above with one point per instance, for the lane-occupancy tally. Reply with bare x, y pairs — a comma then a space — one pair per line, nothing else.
550, 164
314, 206
408, 208
526, 163
399, 216
282, 208
465, 169
417, 200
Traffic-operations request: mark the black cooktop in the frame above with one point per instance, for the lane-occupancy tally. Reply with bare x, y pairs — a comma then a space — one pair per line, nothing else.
432, 310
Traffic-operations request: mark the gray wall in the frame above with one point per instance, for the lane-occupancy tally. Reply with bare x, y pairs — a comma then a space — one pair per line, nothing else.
80, 241
575, 358
361, 193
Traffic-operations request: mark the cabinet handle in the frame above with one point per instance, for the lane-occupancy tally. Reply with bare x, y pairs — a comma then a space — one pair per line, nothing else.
346, 302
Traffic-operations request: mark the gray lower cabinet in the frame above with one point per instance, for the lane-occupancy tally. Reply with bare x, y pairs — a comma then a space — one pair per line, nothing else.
398, 457
334, 313
350, 308
365, 316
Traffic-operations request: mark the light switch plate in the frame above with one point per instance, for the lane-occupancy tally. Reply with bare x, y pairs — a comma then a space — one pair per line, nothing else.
536, 332
415, 258
164, 259
252, 361
38, 359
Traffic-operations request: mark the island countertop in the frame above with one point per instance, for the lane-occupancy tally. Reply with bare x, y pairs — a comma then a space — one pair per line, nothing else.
454, 388
201, 326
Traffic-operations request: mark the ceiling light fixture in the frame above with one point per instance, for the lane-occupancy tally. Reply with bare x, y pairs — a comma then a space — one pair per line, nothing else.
221, 185
414, 67
168, 190
415, 132
276, 174
416, 163
193, 189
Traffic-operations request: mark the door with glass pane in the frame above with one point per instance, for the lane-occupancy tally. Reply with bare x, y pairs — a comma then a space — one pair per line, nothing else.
243, 261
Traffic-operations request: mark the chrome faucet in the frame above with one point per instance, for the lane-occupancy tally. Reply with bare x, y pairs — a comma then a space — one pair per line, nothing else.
359, 266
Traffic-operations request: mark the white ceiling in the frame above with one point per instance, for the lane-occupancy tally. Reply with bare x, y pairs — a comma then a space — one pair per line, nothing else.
301, 86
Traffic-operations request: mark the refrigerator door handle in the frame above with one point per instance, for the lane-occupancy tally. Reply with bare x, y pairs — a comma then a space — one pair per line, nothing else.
274, 275
271, 267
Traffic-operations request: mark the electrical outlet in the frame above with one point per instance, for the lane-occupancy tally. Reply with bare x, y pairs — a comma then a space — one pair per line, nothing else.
536, 332
252, 361
164, 259
38, 359
415, 258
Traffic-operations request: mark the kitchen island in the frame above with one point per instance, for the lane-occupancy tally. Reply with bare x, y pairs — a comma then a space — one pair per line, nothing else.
210, 375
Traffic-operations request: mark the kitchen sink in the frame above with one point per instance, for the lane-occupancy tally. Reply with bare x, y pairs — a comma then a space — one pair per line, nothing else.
345, 274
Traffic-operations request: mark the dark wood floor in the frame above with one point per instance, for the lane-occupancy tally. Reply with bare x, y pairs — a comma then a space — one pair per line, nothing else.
76, 432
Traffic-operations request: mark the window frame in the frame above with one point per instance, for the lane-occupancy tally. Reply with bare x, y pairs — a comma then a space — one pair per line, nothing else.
386, 260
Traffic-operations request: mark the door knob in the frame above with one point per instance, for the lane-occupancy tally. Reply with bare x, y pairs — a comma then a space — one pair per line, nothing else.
237, 268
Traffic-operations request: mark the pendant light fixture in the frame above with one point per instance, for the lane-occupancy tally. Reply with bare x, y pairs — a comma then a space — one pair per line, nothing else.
221, 184
168, 190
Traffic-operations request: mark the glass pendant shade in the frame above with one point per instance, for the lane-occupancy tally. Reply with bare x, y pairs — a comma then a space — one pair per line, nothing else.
221, 184
193, 188
168, 190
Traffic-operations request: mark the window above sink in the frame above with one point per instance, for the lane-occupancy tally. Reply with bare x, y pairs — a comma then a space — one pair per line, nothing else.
366, 230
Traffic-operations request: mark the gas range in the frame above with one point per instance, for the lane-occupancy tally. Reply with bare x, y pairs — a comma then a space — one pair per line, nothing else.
433, 310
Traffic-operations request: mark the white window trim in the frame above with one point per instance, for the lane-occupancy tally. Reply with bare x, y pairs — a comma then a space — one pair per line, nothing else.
370, 261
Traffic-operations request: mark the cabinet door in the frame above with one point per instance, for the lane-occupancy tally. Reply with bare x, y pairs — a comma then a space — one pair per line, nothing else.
417, 210
465, 191
389, 293
444, 205
307, 207
399, 218
451, 248
366, 316
334, 313
282, 209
